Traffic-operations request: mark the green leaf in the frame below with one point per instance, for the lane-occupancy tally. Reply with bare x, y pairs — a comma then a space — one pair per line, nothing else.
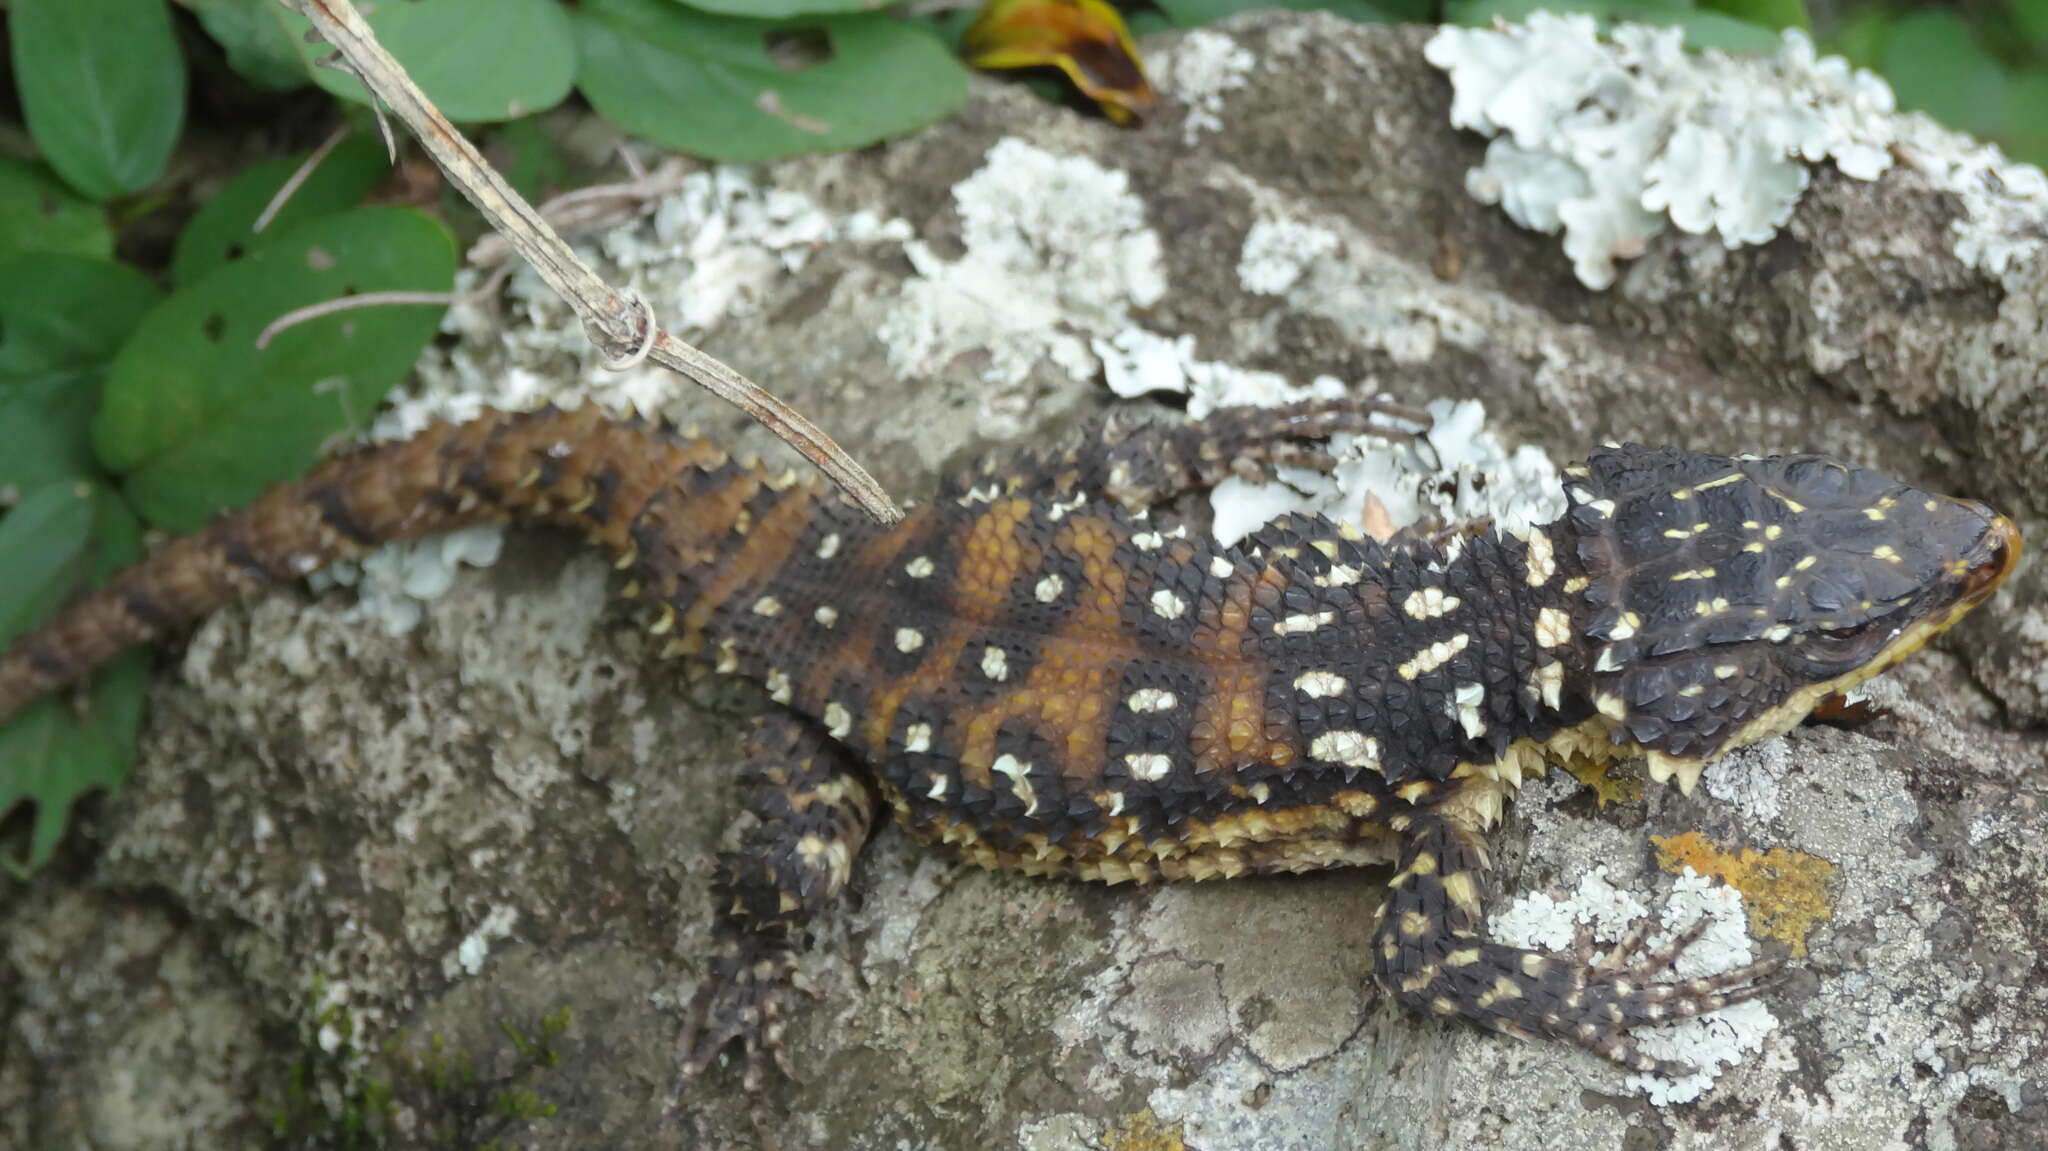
61, 320
1861, 41
102, 88
43, 553
1936, 66
62, 315
38, 213
200, 420
478, 60
2027, 97
48, 755
778, 9
1400, 11
1189, 13
708, 84
1141, 24
259, 46
1702, 29
2032, 18
1774, 14
45, 438
220, 233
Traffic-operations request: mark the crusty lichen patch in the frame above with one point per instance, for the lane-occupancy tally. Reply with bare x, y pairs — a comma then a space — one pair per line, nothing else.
1144, 1131
1787, 892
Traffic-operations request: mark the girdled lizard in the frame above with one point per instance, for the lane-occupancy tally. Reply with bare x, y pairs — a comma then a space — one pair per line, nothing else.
1031, 671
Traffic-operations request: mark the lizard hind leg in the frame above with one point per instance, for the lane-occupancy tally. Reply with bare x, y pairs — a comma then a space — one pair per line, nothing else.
808, 811
1431, 955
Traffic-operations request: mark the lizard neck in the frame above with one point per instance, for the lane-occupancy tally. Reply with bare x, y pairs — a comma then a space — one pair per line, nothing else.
1462, 657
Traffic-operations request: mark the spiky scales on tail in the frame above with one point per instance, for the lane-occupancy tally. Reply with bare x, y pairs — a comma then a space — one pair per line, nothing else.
576, 468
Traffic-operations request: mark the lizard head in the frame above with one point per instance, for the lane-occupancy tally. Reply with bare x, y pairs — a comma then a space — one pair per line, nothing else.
1726, 597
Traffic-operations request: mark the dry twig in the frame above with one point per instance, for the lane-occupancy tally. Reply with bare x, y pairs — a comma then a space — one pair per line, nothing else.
620, 324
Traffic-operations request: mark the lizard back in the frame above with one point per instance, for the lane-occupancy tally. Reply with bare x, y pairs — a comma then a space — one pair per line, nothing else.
1052, 683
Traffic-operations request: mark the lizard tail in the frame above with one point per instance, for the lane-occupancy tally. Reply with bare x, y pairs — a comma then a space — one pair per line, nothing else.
579, 468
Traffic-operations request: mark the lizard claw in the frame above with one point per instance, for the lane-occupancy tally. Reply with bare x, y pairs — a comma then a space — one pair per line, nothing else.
1620, 991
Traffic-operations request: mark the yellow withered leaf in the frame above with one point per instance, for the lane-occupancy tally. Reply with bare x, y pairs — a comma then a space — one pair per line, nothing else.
1086, 39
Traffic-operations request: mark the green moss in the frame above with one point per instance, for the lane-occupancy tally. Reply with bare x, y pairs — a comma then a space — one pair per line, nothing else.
360, 1114
339, 1097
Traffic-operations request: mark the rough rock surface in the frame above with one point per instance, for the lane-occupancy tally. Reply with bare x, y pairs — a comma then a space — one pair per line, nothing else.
342, 841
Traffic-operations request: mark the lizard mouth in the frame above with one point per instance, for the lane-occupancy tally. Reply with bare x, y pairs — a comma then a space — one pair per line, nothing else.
1992, 560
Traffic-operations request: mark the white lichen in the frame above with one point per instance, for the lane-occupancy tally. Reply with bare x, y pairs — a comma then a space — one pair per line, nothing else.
394, 582
1455, 472
469, 955
2003, 201
714, 249
1136, 361
1278, 251
1056, 250
1712, 1042
723, 241
1751, 779
1545, 923
1610, 141
1197, 73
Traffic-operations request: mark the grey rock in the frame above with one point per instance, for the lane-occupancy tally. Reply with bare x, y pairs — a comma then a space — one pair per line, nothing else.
372, 855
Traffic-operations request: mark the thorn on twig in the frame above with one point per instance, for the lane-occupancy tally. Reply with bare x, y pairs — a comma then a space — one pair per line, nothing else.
340, 64
384, 130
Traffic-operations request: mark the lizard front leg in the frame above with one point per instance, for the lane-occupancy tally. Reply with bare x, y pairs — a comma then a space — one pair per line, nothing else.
1139, 465
808, 811
1431, 955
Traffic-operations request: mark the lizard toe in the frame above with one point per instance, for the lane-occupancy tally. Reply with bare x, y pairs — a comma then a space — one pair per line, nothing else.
744, 998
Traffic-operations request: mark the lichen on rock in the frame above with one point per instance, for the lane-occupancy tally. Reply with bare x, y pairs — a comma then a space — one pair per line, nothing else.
1611, 140
513, 806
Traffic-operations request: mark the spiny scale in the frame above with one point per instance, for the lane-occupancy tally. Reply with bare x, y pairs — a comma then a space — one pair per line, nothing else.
1032, 672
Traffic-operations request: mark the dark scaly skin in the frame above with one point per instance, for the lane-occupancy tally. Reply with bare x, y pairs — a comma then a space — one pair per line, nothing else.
1031, 672
810, 811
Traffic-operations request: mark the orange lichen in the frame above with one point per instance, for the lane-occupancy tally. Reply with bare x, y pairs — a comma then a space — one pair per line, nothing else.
1606, 788
1787, 892
1144, 1131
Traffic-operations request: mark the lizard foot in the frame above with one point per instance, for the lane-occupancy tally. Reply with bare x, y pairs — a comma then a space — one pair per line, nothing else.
745, 997
1592, 1000
1431, 956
